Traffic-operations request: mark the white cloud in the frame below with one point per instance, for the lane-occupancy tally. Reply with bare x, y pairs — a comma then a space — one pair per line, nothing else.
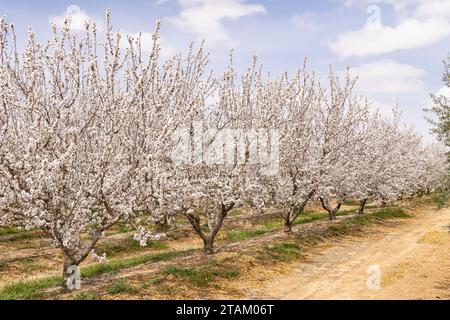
422, 23
205, 17
305, 22
399, 5
161, 2
409, 34
387, 76
420, 8
433, 8
385, 109
77, 17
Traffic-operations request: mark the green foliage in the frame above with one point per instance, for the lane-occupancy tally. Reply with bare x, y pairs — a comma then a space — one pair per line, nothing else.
441, 199
441, 110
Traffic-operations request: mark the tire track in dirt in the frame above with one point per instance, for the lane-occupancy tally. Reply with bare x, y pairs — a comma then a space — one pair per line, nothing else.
414, 261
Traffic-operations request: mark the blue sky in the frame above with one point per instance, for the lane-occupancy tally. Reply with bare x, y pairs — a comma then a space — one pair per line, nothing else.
396, 46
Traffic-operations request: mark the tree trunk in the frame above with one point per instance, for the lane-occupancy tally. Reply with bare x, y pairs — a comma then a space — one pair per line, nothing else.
330, 215
294, 212
71, 275
335, 210
208, 246
287, 225
331, 211
362, 204
208, 239
161, 224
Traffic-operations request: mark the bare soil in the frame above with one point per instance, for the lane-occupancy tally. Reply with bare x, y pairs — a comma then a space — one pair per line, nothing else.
413, 259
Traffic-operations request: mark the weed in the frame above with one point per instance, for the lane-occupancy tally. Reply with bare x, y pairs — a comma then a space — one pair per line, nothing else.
202, 276
87, 296
120, 286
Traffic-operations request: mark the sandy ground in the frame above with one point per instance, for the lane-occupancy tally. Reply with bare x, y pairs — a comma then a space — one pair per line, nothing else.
408, 261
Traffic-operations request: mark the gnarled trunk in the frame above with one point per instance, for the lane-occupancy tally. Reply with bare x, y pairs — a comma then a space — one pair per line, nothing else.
294, 211
331, 211
208, 246
287, 225
214, 228
362, 204
71, 275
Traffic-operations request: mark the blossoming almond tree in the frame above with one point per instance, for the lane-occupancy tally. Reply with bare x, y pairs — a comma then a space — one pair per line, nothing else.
93, 132
171, 99
341, 119
440, 121
75, 150
367, 166
435, 166
216, 178
64, 162
288, 106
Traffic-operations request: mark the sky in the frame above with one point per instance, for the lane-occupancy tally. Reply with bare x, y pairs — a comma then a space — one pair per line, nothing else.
396, 47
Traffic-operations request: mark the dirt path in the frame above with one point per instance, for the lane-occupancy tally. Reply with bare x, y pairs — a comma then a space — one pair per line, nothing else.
413, 260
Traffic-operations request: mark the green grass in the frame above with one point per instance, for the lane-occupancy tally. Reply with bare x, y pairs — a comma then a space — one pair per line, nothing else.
282, 251
15, 234
203, 276
87, 296
33, 289
305, 217
358, 222
277, 223
350, 202
117, 265
31, 265
239, 235
121, 227
292, 250
7, 231
113, 249
29, 290
120, 286
382, 214
152, 282
441, 199
353, 202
